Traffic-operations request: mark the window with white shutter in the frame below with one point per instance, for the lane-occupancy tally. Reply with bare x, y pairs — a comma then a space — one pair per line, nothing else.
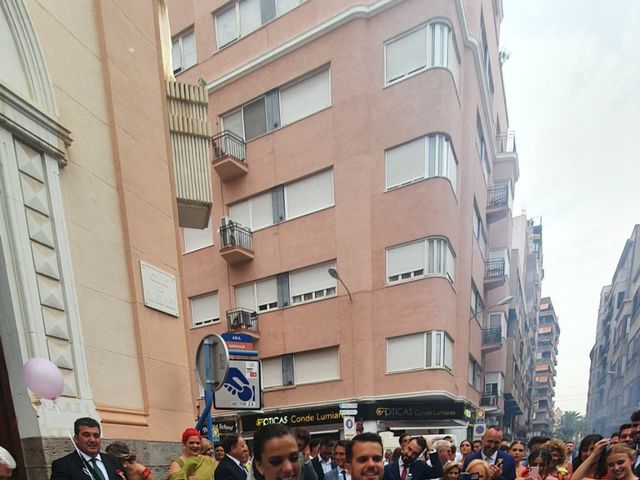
204, 309
305, 97
183, 52
309, 195
317, 366
312, 283
425, 257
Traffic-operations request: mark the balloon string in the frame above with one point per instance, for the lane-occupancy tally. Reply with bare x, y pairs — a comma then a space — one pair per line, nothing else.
87, 469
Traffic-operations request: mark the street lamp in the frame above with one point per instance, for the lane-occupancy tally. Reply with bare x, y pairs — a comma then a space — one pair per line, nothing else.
504, 301
334, 274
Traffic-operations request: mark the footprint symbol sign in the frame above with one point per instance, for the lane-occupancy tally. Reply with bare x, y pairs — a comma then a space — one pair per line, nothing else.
237, 384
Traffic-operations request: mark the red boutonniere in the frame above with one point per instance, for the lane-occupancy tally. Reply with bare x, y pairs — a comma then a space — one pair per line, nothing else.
525, 472
121, 474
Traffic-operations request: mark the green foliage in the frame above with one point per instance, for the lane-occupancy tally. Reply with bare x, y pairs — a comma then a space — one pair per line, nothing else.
572, 426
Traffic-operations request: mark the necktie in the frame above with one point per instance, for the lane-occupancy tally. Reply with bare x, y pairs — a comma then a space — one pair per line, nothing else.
96, 470
403, 474
344, 474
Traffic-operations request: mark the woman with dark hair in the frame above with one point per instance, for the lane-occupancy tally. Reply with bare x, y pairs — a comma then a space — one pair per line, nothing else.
465, 450
597, 468
540, 460
618, 461
275, 454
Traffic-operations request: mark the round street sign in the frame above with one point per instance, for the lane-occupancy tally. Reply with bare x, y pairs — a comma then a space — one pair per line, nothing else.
212, 361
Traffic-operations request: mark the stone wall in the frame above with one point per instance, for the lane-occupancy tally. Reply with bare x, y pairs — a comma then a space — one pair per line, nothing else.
40, 452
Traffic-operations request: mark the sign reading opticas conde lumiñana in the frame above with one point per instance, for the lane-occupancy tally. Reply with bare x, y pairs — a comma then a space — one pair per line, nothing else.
296, 419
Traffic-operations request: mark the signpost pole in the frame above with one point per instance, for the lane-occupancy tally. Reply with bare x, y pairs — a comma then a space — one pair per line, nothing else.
209, 390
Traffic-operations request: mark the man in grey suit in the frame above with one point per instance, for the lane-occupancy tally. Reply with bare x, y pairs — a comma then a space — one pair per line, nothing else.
340, 457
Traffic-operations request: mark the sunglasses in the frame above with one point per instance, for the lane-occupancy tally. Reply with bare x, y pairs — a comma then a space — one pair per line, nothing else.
279, 460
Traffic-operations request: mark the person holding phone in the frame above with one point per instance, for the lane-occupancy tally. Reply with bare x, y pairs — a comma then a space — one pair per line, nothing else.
540, 466
501, 464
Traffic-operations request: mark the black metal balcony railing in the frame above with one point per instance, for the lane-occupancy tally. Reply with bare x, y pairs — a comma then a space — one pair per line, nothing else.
488, 400
242, 319
494, 268
506, 142
235, 235
499, 196
228, 143
491, 336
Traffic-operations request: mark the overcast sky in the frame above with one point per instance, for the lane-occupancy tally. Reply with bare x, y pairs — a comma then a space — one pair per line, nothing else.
573, 94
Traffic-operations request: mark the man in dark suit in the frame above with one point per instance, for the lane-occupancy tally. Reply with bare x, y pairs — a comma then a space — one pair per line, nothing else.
502, 465
340, 457
408, 464
322, 463
87, 463
233, 465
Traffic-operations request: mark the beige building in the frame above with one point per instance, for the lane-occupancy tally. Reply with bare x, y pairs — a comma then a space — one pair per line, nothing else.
362, 225
89, 256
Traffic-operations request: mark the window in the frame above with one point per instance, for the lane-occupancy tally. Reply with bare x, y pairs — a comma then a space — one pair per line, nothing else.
281, 106
430, 45
255, 213
204, 309
259, 296
425, 157
308, 195
246, 16
477, 305
196, 238
493, 383
288, 288
301, 368
620, 300
482, 152
430, 256
403, 353
183, 52
285, 202
474, 374
305, 97
478, 229
484, 51
312, 283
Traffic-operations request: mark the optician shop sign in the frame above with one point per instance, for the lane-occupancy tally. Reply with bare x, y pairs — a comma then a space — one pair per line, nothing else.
417, 411
300, 418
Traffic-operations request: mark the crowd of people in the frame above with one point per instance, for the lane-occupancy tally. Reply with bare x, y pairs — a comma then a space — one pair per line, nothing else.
280, 454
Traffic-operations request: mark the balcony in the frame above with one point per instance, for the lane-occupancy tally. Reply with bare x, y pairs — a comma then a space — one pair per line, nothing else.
494, 272
236, 243
242, 320
489, 401
506, 142
229, 155
498, 201
491, 339
190, 133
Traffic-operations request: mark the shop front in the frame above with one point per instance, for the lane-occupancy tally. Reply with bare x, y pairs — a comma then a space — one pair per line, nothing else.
321, 422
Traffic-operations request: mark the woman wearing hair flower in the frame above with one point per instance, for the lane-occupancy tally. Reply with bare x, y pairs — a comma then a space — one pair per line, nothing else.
134, 470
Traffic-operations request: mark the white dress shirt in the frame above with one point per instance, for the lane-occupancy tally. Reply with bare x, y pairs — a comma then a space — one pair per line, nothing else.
343, 474
99, 464
326, 466
490, 460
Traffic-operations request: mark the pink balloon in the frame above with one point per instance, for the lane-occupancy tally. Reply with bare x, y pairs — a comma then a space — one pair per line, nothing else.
43, 378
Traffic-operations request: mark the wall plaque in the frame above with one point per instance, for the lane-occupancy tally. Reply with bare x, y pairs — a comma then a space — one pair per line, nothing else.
159, 289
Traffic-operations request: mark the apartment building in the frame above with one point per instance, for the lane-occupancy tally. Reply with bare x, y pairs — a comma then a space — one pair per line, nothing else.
614, 382
545, 369
89, 256
363, 177
509, 340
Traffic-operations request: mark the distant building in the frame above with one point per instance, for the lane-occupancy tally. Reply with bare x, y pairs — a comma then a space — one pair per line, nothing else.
544, 380
614, 378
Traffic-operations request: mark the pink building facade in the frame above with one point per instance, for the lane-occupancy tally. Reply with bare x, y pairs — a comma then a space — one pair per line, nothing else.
369, 137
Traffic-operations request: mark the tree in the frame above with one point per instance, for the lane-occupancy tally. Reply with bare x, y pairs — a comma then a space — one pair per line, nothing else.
571, 426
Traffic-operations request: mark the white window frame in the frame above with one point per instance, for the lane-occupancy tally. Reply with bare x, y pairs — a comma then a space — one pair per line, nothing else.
306, 76
478, 230
239, 35
474, 374
315, 295
445, 157
207, 321
179, 39
288, 216
453, 58
424, 272
268, 306
185, 231
435, 347
477, 301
